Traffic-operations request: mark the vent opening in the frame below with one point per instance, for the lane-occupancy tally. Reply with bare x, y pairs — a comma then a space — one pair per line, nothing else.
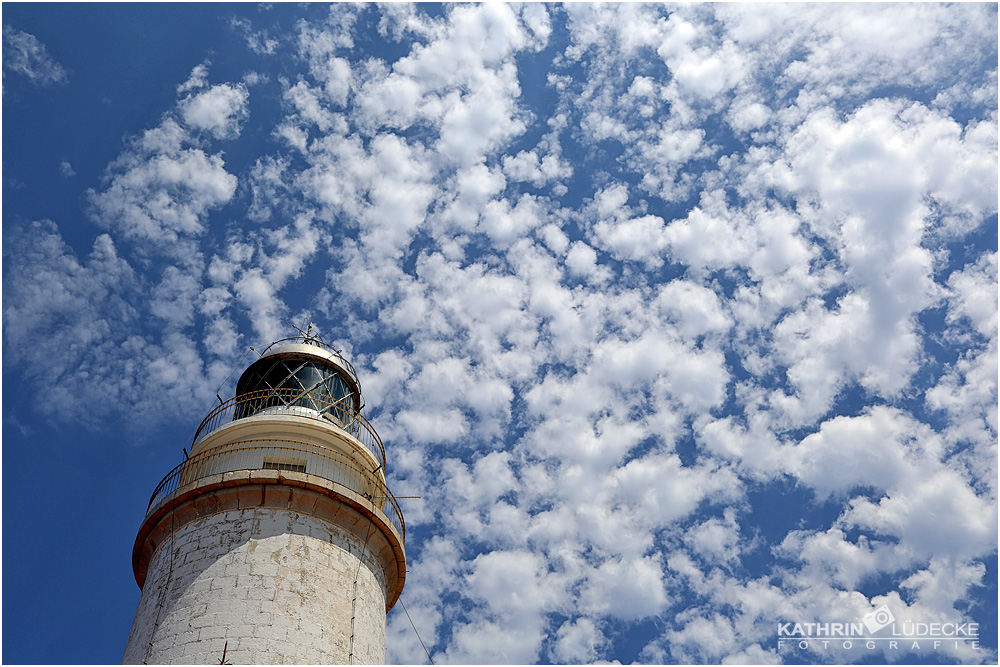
284, 463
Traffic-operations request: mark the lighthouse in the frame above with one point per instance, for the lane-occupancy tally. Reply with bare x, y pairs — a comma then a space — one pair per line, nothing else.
276, 540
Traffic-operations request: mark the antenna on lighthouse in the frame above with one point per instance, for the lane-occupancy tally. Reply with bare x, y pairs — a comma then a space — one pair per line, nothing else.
307, 335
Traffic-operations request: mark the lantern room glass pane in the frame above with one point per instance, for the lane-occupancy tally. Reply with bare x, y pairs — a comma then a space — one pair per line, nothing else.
288, 382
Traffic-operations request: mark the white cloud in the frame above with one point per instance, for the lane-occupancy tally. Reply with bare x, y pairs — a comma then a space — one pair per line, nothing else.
257, 295
938, 515
706, 72
629, 589
88, 309
323, 38
160, 191
196, 80
504, 224
441, 426
475, 187
514, 588
294, 245
258, 41
581, 260
882, 448
306, 101
473, 126
554, 238
528, 167
746, 115
174, 298
967, 393
462, 82
703, 637
50, 283
222, 337
536, 18
692, 309
268, 188
577, 642
715, 540
615, 28
398, 20
974, 296
690, 240
220, 110
639, 239
162, 187
25, 55
833, 557
838, 49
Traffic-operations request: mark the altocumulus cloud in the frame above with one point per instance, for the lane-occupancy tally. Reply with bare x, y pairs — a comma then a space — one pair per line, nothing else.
619, 281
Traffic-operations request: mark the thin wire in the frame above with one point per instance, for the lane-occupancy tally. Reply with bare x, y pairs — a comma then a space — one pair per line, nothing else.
357, 572
238, 364
166, 586
415, 630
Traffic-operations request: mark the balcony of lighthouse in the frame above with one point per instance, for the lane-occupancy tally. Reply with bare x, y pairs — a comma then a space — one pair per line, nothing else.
293, 411
278, 462
287, 435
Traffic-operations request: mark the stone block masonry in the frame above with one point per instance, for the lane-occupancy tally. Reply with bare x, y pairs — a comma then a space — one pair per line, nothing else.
274, 584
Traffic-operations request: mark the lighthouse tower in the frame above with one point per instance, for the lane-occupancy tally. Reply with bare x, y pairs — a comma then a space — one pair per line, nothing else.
276, 540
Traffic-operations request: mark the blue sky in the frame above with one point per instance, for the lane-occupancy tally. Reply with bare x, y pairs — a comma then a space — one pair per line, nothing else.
680, 320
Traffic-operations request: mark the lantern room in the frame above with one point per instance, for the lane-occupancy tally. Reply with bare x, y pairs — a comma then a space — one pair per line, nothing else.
304, 379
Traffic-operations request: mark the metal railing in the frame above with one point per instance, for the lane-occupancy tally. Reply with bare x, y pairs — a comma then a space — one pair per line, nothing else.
281, 455
339, 412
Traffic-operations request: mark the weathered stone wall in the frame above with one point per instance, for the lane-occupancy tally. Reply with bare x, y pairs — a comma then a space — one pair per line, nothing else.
275, 584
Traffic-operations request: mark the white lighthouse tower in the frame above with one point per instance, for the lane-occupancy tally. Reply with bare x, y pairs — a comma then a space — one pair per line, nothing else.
276, 541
